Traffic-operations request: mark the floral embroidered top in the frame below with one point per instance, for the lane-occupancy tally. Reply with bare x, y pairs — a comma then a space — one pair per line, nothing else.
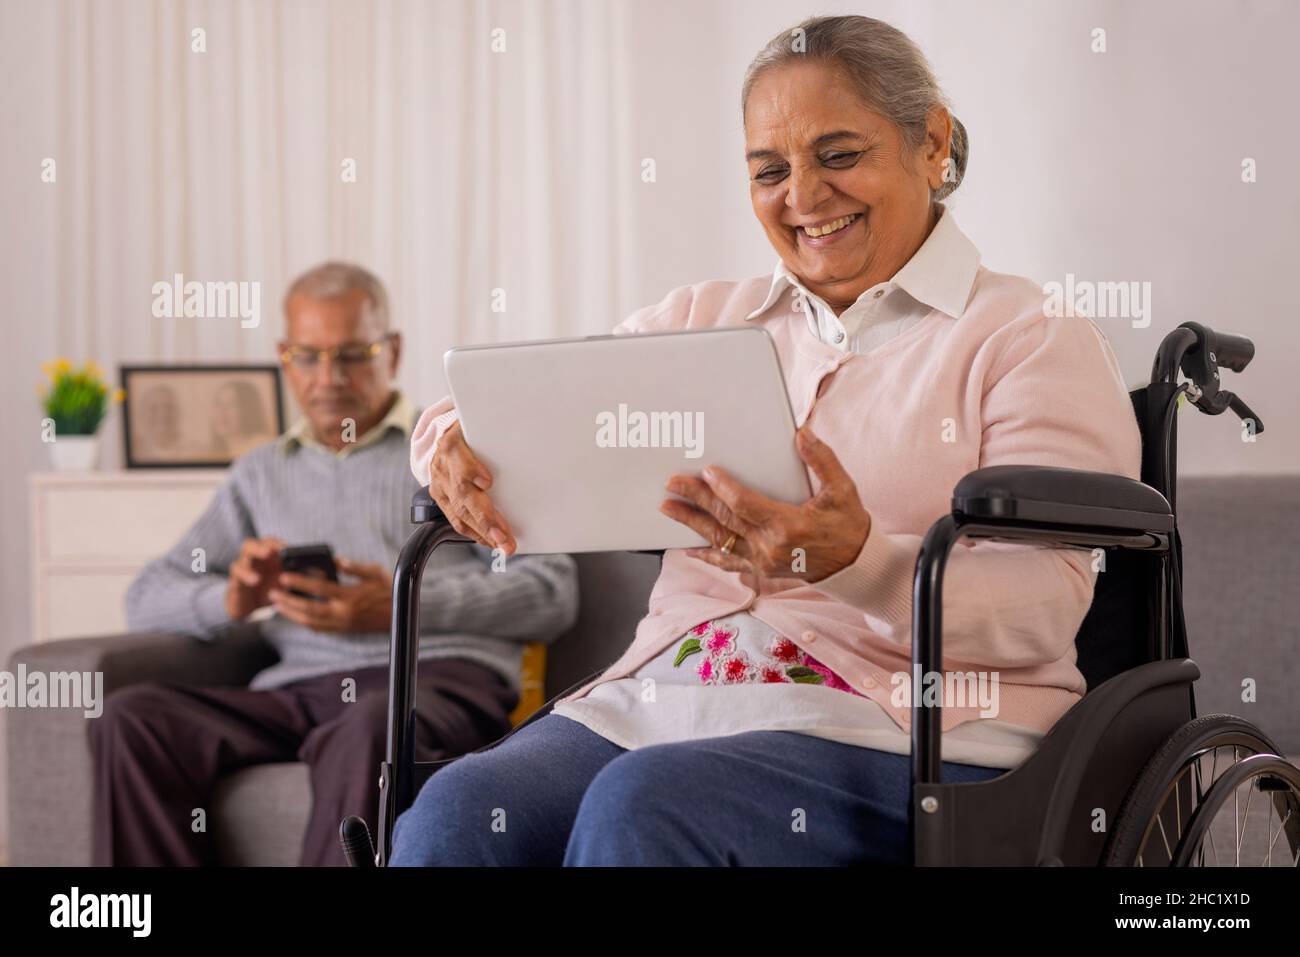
736, 674
720, 652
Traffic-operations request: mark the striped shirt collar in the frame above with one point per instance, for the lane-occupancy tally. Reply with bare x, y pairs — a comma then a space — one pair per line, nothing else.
940, 274
401, 416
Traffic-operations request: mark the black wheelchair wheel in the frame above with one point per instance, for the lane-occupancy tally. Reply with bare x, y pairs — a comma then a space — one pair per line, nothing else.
1277, 782
1185, 808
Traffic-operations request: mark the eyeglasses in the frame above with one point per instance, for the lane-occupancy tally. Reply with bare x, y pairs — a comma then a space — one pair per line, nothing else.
350, 355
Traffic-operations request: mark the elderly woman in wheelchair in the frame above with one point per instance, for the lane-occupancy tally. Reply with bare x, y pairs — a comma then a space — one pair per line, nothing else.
788, 696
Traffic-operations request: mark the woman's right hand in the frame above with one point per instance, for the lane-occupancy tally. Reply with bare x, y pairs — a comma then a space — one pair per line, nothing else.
459, 483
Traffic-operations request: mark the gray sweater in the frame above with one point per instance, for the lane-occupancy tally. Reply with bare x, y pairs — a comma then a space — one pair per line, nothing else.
359, 504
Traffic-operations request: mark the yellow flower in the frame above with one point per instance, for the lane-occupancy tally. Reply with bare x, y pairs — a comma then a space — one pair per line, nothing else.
119, 395
62, 365
48, 369
93, 369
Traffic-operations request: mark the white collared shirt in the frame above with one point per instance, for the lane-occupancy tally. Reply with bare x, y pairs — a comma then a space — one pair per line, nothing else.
938, 276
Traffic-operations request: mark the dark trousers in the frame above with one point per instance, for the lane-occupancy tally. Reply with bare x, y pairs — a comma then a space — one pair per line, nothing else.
160, 749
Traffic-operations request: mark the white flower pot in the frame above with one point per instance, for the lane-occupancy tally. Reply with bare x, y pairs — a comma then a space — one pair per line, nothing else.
74, 453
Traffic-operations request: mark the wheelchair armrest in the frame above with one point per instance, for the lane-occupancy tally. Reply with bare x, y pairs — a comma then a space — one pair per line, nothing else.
1060, 496
1031, 502
424, 508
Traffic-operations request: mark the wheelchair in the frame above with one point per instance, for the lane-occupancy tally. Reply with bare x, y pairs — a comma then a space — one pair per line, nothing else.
1130, 775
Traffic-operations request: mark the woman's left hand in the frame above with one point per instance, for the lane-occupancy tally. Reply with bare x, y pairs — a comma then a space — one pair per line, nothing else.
808, 541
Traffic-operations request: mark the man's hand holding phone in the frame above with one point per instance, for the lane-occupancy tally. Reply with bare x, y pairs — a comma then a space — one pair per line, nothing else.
252, 576
366, 606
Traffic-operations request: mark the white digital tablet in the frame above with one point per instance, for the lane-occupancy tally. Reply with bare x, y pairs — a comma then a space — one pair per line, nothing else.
581, 435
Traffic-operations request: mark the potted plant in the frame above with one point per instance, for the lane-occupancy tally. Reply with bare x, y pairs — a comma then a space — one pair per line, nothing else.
75, 402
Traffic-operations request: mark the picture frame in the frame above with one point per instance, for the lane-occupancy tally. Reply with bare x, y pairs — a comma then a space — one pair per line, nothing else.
198, 415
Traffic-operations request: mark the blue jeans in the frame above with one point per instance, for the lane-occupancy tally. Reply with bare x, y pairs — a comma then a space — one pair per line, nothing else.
555, 792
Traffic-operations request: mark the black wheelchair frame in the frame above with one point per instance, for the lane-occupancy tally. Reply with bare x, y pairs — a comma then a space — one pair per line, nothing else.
1042, 812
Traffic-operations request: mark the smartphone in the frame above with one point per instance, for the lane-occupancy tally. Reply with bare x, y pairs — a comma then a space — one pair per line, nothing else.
316, 561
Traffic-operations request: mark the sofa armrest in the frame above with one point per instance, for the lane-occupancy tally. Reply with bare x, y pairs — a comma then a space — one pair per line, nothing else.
50, 778
134, 657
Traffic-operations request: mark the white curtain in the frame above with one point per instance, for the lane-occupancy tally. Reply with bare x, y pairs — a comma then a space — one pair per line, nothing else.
492, 167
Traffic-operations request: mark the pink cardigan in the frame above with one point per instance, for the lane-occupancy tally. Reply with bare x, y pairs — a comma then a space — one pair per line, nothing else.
1001, 384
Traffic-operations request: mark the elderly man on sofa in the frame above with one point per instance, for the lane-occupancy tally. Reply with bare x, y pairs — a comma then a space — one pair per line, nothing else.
338, 477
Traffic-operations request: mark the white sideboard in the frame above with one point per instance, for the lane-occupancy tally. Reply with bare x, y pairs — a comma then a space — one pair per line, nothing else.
91, 533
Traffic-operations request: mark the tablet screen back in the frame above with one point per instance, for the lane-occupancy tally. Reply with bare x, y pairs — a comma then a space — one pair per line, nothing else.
581, 435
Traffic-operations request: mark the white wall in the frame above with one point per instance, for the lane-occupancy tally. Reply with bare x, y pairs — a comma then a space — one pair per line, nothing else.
1117, 166
522, 170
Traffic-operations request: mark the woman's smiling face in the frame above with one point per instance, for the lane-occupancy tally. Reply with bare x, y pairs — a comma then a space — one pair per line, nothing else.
843, 200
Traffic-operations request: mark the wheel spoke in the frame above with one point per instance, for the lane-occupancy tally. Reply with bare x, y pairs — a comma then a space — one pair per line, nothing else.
1210, 833
1235, 821
1280, 828
1163, 836
1246, 817
1178, 806
1214, 766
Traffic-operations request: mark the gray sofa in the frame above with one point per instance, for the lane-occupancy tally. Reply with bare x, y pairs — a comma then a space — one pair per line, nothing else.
1241, 600
258, 814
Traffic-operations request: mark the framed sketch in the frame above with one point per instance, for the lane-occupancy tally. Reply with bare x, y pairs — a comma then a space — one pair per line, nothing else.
198, 416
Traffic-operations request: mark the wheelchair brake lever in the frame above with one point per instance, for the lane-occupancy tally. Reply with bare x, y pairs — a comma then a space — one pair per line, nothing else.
1244, 413
1220, 401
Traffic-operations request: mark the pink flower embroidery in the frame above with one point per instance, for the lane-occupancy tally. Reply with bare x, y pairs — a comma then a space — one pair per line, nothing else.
783, 650
725, 663
720, 641
735, 669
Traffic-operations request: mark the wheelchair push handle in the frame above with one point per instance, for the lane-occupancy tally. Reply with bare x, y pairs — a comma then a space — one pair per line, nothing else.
1198, 352
1232, 352
1211, 351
